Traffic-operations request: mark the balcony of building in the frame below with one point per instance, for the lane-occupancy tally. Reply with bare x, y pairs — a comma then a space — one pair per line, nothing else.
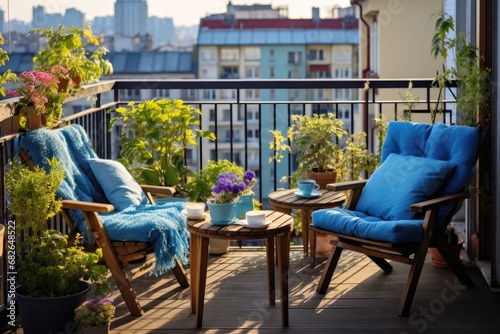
360, 298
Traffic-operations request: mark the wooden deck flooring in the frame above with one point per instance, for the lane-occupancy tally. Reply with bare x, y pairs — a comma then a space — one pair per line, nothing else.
361, 299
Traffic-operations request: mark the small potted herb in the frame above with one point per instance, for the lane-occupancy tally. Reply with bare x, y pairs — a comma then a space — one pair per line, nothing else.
94, 316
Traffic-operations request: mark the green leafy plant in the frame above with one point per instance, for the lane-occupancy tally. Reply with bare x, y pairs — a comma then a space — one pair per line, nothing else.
77, 49
47, 266
356, 158
473, 82
199, 185
154, 137
313, 139
7, 75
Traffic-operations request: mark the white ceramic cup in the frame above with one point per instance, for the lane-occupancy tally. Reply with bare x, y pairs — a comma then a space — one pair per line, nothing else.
307, 186
255, 218
195, 209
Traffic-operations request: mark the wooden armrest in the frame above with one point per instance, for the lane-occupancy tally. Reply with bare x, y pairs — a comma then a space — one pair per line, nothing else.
439, 202
346, 185
158, 190
87, 206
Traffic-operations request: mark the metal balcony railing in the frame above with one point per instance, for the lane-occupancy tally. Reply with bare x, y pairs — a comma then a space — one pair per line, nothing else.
238, 141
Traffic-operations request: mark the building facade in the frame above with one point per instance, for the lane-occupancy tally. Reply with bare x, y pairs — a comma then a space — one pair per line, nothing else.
271, 46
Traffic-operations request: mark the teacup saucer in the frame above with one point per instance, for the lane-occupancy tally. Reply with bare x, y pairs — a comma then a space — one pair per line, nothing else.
203, 216
314, 194
244, 222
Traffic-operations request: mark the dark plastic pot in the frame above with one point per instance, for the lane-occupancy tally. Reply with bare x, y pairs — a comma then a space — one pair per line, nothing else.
50, 315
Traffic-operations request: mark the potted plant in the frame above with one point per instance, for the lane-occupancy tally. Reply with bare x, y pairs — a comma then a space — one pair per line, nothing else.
40, 102
225, 194
77, 49
7, 75
162, 129
454, 241
94, 316
49, 271
198, 188
314, 141
473, 82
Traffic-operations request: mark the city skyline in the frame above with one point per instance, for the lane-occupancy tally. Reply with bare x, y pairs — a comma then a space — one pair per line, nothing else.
183, 13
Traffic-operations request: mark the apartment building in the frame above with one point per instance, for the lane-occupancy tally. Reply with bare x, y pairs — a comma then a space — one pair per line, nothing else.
236, 45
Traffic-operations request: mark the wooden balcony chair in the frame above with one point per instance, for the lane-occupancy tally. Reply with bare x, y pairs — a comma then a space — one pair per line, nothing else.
406, 204
105, 204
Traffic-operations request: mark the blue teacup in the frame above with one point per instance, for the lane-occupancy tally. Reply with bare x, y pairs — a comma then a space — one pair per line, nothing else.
306, 187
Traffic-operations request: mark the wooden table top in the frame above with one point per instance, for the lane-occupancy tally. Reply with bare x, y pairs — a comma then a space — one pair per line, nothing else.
280, 223
287, 199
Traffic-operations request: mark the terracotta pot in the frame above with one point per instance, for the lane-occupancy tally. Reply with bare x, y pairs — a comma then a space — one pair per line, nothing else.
437, 259
322, 178
35, 122
323, 245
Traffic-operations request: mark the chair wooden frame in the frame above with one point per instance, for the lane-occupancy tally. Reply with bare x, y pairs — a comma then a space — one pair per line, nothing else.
379, 252
118, 254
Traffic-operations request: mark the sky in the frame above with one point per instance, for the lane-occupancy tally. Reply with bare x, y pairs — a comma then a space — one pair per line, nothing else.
183, 12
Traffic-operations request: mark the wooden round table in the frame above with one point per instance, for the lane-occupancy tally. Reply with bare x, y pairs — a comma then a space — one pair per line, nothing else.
285, 200
202, 230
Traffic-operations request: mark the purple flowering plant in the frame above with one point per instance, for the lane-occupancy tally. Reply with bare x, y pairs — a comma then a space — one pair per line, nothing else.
230, 186
95, 312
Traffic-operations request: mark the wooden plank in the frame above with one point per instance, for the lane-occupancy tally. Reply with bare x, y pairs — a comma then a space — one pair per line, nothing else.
360, 298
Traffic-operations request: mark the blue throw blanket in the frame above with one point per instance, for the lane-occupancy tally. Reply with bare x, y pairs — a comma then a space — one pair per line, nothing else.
163, 225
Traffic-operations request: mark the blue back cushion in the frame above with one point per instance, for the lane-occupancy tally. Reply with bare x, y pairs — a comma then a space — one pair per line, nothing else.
121, 189
441, 145
400, 182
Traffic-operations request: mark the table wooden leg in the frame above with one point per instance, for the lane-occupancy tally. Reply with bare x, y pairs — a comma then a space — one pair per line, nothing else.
193, 263
271, 289
312, 243
202, 279
306, 221
283, 245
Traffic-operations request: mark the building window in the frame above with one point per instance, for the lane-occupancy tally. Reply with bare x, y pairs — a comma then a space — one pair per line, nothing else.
209, 94
207, 72
316, 54
207, 55
252, 53
294, 57
229, 72
252, 94
226, 115
272, 72
252, 72
211, 116
271, 54
229, 55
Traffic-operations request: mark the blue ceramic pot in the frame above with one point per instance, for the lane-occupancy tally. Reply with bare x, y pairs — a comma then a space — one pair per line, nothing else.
221, 214
245, 204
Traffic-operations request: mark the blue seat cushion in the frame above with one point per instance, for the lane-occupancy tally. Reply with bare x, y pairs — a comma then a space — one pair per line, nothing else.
358, 224
400, 182
121, 189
